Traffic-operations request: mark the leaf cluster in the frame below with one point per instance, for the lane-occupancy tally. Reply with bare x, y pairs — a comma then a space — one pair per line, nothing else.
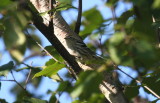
129, 40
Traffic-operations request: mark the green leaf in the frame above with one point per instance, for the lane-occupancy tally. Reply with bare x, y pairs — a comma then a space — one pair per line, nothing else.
17, 70
65, 86
33, 100
59, 7
79, 101
53, 98
2, 29
50, 62
93, 20
14, 38
145, 53
15, 41
117, 38
5, 3
56, 78
54, 53
114, 41
32, 45
63, 6
3, 101
153, 83
97, 98
156, 4
46, 12
50, 70
65, 1
124, 21
131, 92
83, 86
114, 54
5, 69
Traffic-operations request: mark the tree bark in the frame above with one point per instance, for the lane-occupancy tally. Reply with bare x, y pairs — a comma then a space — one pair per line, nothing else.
110, 87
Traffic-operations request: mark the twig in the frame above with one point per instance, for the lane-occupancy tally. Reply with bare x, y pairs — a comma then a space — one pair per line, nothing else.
113, 14
72, 73
78, 23
146, 87
26, 82
65, 87
48, 32
8, 80
41, 47
27, 79
17, 82
70, 70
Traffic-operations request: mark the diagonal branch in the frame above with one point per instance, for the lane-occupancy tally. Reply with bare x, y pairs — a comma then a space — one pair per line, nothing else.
78, 23
71, 46
45, 28
146, 87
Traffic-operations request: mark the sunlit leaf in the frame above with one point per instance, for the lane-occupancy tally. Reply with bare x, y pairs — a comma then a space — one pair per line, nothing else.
22, 69
50, 62
33, 100
65, 1
56, 78
50, 70
28, 67
59, 7
62, 7
115, 40
156, 4
79, 101
54, 53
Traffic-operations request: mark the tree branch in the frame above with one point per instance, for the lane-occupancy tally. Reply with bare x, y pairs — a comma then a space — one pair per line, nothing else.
146, 87
17, 82
47, 30
62, 37
78, 23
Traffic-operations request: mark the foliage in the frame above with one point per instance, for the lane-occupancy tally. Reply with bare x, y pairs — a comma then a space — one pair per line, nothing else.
4, 69
128, 40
